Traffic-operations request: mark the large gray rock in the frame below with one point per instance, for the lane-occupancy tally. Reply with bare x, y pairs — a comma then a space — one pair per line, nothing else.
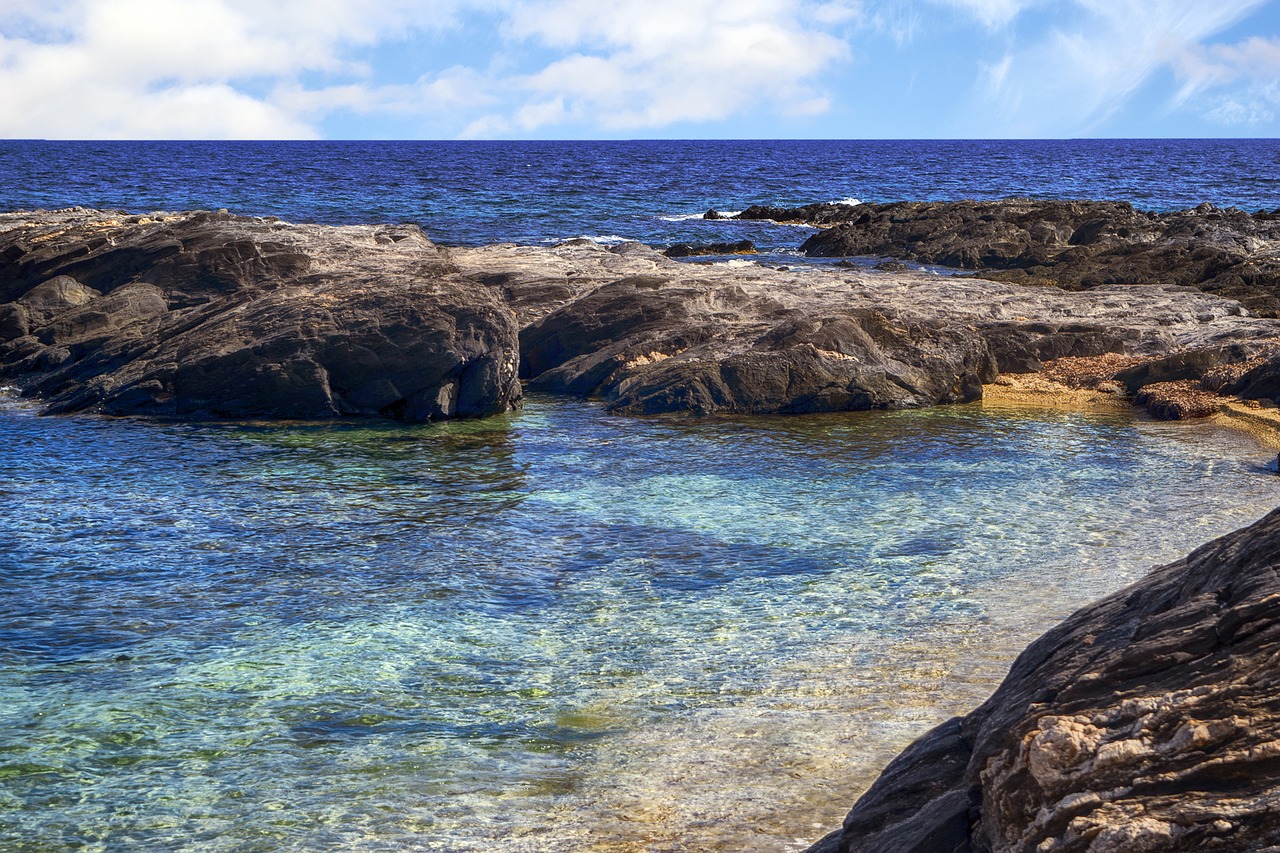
648, 344
212, 315
648, 334
1149, 721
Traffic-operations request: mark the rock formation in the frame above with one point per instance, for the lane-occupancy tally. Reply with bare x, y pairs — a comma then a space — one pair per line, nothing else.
211, 315
1071, 244
691, 250
1149, 721
648, 334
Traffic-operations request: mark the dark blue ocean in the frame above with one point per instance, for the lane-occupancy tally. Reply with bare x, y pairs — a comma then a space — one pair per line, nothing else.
558, 630
471, 193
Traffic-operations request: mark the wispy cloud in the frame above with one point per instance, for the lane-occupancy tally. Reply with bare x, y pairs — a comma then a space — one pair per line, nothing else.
1233, 85
1083, 71
994, 14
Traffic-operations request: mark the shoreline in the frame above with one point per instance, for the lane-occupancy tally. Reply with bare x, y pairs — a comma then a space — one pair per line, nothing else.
1034, 391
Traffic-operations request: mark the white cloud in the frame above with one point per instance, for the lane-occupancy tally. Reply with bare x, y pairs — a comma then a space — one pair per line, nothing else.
290, 68
1256, 108
650, 63
246, 69
156, 68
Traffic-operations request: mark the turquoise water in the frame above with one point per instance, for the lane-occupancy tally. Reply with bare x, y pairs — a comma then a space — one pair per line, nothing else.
554, 630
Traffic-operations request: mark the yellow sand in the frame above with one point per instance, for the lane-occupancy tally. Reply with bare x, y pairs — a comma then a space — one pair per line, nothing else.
1031, 390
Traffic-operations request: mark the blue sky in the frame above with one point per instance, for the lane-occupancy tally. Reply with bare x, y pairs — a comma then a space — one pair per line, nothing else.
587, 69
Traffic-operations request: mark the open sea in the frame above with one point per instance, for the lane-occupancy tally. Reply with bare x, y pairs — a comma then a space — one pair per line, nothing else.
559, 629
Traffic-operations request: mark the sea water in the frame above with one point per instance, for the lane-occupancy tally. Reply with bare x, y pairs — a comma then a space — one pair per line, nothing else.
555, 630
474, 193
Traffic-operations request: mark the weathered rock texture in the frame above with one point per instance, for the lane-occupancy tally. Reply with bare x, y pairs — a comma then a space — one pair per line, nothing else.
648, 334
1071, 244
1149, 721
212, 315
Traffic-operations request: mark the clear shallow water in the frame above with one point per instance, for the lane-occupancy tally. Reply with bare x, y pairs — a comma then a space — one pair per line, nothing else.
473, 193
556, 630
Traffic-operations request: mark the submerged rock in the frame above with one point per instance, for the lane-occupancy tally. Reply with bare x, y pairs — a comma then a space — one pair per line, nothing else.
1149, 721
212, 315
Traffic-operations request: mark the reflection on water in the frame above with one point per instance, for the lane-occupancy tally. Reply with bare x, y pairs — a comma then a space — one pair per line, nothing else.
555, 630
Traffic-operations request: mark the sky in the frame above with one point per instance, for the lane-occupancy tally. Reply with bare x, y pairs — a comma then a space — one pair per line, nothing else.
648, 69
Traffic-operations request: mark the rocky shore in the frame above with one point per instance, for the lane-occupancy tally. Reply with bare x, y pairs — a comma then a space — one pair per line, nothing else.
199, 315
1149, 721
1075, 245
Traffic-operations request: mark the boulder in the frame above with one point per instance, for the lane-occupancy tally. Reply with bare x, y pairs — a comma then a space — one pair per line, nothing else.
648, 344
210, 315
691, 250
1149, 721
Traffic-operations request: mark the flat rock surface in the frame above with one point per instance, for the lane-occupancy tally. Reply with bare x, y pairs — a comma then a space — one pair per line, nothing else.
1149, 721
1071, 244
210, 315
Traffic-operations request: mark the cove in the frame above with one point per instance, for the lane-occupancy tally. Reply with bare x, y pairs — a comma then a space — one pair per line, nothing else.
556, 629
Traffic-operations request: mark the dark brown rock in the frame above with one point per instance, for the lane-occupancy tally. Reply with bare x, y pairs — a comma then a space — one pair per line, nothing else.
1070, 244
648, 334
1177, 401
692, 250
212, 315
825, 213
1262, 382
1188, 365
1149, 721
647, 344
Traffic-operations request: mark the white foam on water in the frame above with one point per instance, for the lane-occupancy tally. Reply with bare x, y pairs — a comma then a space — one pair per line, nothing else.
849, 200
599, 239
682, 217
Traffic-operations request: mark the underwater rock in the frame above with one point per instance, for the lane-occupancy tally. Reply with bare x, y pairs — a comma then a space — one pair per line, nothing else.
1148, 721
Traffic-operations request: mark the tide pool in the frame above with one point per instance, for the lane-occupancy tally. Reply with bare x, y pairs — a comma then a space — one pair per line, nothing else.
557, 630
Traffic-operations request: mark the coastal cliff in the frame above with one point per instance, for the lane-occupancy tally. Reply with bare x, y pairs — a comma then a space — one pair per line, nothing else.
1149, 721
